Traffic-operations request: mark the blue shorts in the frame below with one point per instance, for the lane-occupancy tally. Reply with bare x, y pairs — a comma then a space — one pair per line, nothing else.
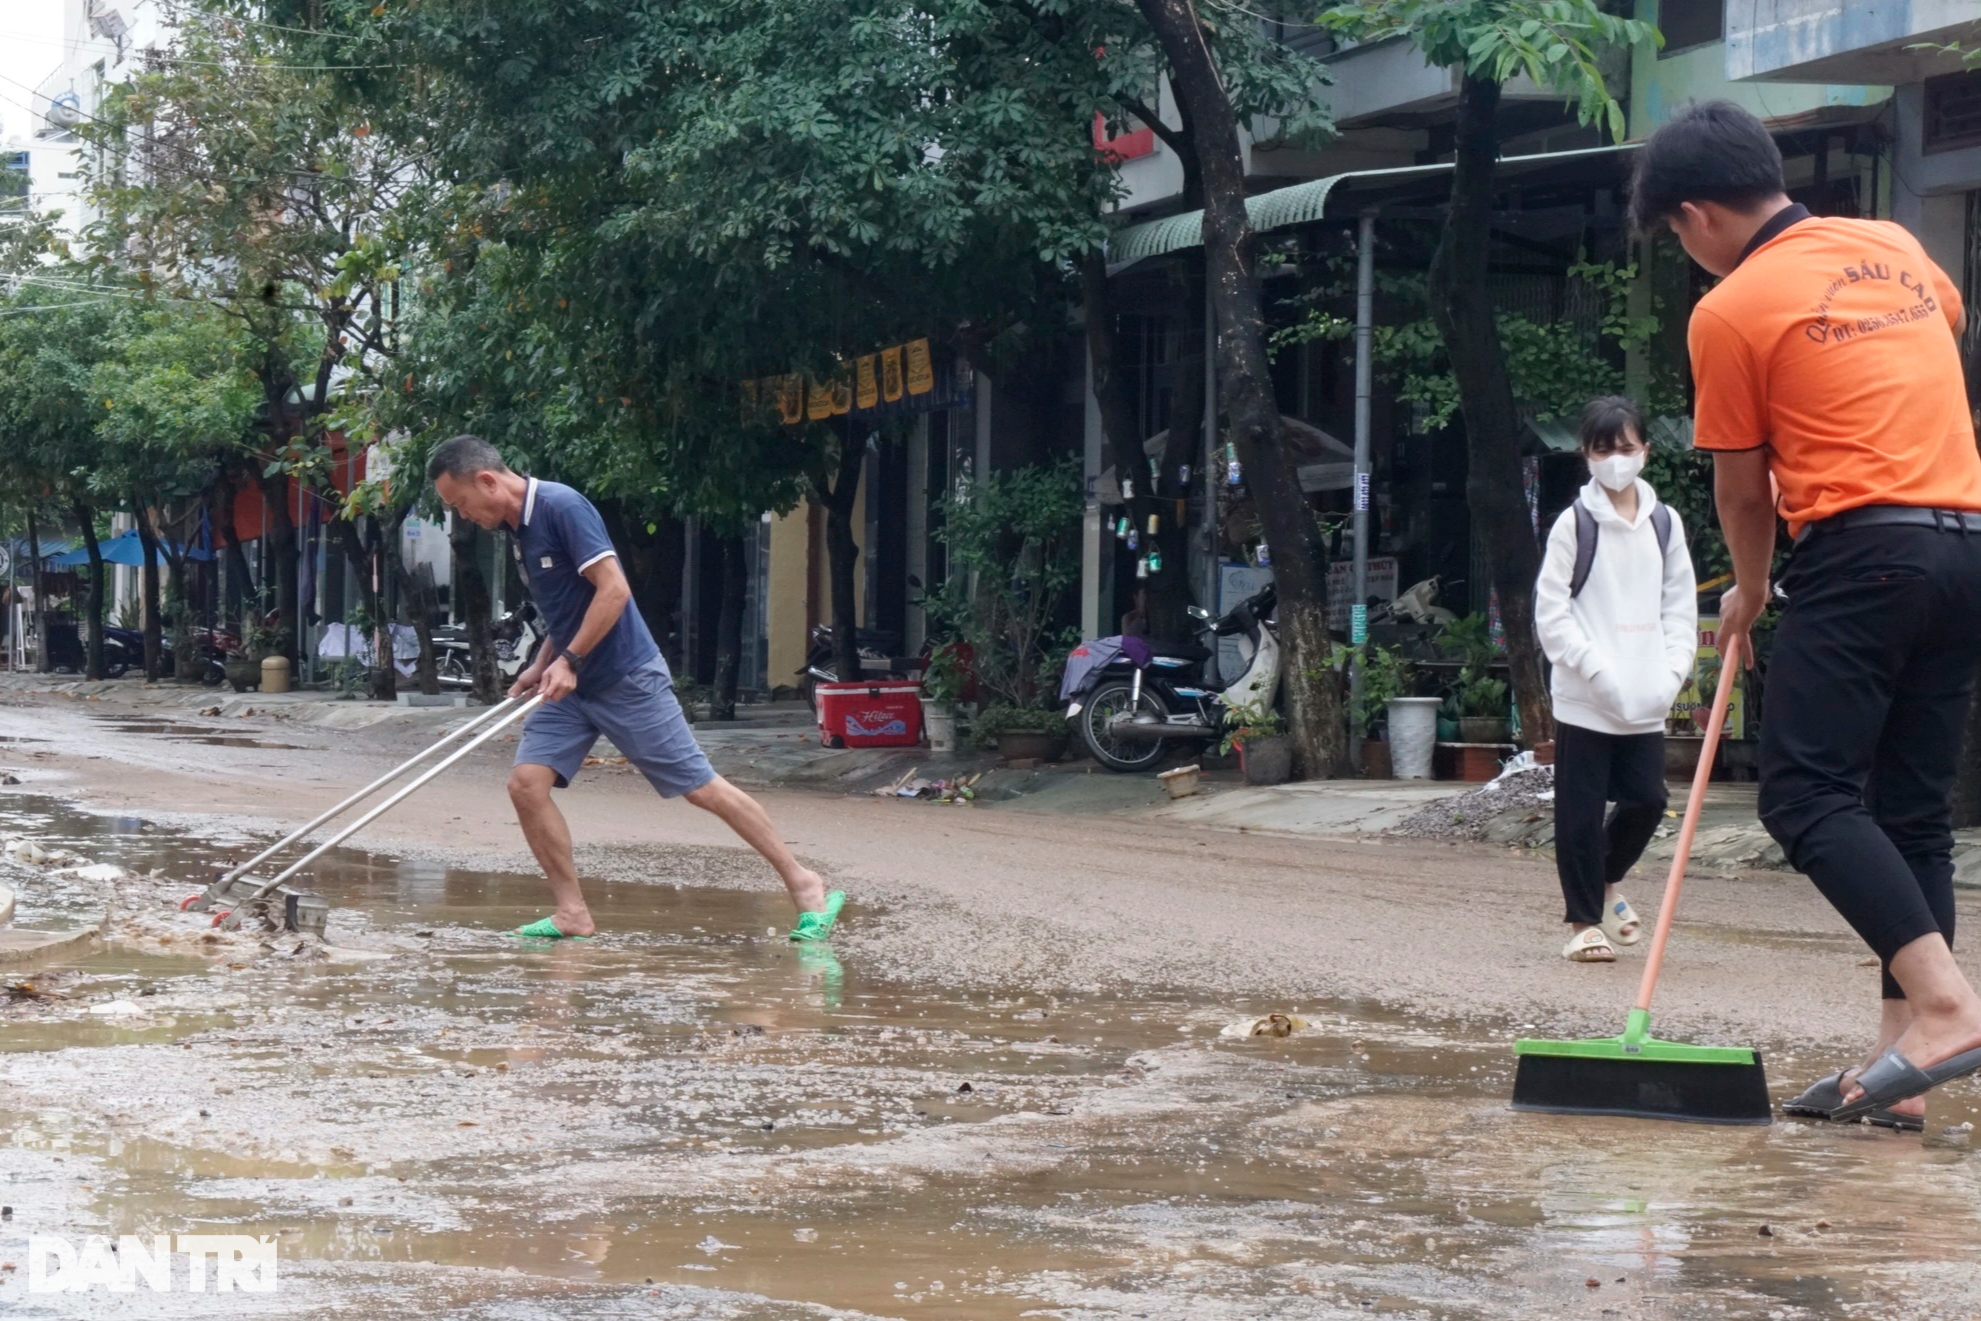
639, 713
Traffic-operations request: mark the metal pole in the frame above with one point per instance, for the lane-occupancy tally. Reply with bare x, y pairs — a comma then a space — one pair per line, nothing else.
1365, 334
365, 792
1214, 573
383, 807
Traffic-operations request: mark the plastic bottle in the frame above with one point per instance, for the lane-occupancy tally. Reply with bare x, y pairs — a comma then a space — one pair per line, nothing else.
1265, 555
1155, 560
1232, 474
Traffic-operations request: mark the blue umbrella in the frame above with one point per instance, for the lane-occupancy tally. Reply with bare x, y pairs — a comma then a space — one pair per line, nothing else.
125, 548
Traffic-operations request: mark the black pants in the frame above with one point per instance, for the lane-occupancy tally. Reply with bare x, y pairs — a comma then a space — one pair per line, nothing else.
1593, 770
1868, 685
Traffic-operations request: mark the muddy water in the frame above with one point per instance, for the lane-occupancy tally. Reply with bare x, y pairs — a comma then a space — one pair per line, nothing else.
690, 1117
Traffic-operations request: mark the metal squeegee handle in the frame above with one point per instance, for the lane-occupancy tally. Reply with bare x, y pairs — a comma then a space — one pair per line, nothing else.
394, 800
365, 792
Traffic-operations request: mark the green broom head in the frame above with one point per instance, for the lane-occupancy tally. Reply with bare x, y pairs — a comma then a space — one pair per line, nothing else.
1638, 1076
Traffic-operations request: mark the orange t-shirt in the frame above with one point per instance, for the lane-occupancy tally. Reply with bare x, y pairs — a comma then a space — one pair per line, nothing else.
1832, 344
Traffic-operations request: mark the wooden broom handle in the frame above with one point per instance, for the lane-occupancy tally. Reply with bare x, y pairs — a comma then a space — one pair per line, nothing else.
1694, 802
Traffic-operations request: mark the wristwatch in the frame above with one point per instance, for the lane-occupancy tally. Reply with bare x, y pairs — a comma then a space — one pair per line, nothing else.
572, 658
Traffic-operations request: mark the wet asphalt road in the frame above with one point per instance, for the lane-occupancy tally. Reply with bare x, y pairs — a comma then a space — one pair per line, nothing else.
1002, 1092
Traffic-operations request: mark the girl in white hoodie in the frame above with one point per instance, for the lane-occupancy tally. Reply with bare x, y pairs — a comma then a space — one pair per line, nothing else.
1623, 642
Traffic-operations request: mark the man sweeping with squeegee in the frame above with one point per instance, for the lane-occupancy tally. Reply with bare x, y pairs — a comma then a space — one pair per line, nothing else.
1826, 360
598, 672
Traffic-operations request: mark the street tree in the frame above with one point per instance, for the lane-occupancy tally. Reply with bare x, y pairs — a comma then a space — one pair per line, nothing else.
52, 340
179, 403
1558, 44
236, 171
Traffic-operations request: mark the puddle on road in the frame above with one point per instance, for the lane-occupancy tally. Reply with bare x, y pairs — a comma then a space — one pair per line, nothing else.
174, 732
692, 1101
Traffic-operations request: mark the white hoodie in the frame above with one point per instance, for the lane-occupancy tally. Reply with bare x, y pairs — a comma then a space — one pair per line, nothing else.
1628, 642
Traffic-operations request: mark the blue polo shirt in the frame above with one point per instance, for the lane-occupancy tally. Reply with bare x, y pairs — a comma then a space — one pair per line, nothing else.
560, 536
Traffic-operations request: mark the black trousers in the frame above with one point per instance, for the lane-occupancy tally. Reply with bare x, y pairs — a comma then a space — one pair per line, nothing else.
1868, 685
1593, 770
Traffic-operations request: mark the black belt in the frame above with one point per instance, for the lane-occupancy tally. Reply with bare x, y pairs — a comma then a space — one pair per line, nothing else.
1943, 520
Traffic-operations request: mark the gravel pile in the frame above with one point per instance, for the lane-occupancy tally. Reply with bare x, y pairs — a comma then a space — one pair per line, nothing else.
1466, 816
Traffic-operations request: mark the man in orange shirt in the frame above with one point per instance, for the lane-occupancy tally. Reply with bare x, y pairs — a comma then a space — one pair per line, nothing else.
1826, 359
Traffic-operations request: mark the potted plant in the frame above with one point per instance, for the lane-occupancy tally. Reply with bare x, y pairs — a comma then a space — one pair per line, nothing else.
1021, 733
1386, 676
942, 689
1258, 735
1482, 712
244, 666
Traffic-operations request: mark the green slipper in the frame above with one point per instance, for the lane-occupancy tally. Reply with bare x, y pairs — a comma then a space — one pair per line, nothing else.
544, 929
818, 926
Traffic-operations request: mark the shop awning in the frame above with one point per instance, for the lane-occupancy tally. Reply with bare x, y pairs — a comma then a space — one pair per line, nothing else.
1303, 202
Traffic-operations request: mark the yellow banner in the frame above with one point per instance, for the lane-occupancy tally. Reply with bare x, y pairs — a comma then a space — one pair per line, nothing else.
790, 399
1694, 706
819, 401
890, 374
869, 384
842, 390
921, 375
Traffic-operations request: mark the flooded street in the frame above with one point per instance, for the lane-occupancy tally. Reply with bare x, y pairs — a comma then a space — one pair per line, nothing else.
691, 1117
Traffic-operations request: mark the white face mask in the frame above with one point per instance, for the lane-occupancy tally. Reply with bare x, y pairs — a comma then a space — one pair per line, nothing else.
1617, 471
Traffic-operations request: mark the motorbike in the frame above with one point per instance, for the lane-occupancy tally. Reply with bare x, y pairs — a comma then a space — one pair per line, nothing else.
516, 635
1133, 707
67, 651
877, 660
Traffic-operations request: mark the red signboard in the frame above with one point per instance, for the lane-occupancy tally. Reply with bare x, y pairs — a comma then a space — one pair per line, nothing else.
1127, 147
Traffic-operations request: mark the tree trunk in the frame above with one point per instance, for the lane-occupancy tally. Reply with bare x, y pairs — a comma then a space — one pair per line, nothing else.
154, 650
843, 553
475, 609
729, 630
43, 662
1462, 306
237, 557
279, 533
382, 683
93, 611
426, 671
1246, 393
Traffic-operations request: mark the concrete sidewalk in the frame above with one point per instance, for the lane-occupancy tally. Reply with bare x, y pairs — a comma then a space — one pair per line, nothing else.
776, 746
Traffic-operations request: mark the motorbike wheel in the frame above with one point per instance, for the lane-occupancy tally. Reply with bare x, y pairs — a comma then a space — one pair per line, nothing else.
115, 664
1115, 699
454, 670
810, 688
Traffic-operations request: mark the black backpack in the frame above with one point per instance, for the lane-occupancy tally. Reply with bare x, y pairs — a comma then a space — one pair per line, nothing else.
1586, 533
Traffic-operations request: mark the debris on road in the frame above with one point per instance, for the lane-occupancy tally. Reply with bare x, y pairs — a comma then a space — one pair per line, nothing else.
960, 790
1272, 1025
1470, 816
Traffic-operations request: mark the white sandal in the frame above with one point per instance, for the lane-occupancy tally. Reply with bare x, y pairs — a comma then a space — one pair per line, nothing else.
1619, 916
1589, 945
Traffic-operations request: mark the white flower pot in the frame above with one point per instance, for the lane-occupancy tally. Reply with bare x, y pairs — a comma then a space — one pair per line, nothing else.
1413, 734
940, 721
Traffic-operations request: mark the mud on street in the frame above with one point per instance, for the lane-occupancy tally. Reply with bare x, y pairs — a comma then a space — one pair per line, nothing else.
1003, 1090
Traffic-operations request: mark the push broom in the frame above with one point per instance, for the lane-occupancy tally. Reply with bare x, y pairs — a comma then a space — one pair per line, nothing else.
1636, 1074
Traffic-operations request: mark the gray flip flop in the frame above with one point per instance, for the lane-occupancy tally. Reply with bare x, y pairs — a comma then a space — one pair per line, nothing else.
1826, 1094
1893, 1077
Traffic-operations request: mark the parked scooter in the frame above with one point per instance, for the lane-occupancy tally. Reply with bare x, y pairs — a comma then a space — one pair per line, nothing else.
516, 635
1134, 708
877, 660
67, 651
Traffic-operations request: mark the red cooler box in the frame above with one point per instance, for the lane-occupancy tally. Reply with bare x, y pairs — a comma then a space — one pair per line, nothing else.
870, 715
